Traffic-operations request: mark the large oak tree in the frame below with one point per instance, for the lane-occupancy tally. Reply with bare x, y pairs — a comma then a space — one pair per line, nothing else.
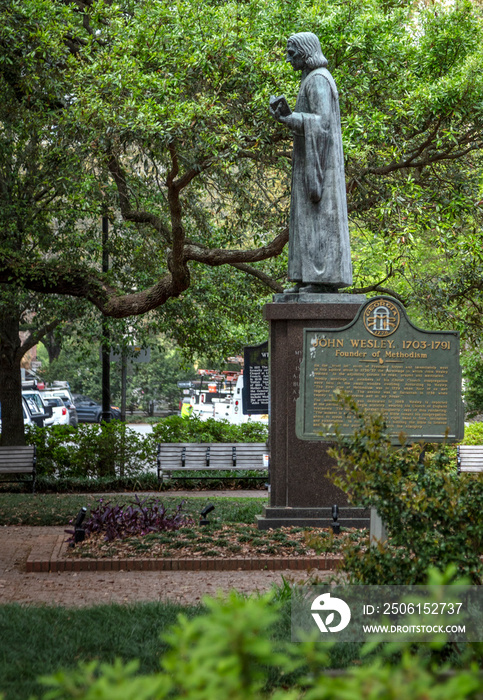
156, 113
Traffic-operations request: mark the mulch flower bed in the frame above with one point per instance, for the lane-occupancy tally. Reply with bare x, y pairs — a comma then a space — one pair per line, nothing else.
223, 541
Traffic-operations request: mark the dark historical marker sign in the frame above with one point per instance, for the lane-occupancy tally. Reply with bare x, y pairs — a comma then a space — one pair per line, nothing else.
255, 379
389, 366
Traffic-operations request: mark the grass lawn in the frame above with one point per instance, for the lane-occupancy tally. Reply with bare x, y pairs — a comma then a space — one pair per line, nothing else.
42, 640
59, 509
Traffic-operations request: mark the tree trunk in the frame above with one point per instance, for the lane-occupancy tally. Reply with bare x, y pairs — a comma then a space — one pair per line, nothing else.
52, 345
11, 378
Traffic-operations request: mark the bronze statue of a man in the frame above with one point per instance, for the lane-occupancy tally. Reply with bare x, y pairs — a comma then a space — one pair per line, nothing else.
319, 246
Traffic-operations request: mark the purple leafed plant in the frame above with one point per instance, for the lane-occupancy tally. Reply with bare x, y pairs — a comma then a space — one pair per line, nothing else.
132, 519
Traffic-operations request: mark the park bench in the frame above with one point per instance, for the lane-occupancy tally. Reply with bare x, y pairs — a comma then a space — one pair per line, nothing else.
470, 458
19, 461
219, 456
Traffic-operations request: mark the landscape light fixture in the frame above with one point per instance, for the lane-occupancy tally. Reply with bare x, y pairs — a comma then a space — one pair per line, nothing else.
79, 531
207, 509
335, 516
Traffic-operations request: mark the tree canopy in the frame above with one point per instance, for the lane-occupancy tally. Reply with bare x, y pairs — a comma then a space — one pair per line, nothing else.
155, 114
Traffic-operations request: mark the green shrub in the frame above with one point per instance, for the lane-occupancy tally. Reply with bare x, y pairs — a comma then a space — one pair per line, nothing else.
473, 434
93, 450
146, 481
193, 429
112, 449
472, 364
432, 514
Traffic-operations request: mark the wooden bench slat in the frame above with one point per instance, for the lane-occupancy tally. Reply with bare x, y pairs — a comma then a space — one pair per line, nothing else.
189, 456
220, 449
17, 465
18, 450
19, 461
218, 469
21, 457
16, 458
215, 458
214, 463
189, 459
18, 470
219, 458
470, 458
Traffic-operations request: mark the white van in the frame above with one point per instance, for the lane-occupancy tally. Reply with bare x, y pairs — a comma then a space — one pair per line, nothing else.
237, 415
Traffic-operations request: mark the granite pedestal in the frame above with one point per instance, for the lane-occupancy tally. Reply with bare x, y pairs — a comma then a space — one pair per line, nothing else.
300, 492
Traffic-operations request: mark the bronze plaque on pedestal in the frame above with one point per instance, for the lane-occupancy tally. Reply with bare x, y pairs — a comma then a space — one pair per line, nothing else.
389, 366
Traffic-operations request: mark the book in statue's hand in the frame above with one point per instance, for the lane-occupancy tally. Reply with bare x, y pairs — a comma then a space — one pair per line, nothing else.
275, 101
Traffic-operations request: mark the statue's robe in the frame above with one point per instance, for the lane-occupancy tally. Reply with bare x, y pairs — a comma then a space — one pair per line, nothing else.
319, 247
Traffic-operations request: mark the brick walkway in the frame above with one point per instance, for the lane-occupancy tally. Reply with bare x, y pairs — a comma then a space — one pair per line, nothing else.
20, 545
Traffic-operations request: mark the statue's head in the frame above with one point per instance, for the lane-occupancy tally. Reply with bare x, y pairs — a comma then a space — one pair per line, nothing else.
307, 46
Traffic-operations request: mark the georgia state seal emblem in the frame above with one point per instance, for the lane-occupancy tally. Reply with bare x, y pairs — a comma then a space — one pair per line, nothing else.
381, 318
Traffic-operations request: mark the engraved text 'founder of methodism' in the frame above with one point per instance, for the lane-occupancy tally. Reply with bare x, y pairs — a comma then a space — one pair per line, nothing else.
319, 247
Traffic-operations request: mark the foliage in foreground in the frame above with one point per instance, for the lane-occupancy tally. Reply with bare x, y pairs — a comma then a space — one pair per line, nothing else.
432, 514
473, 434
231, 653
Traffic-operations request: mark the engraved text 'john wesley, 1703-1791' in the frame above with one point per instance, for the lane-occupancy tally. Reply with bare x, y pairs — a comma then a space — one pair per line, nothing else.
412, 377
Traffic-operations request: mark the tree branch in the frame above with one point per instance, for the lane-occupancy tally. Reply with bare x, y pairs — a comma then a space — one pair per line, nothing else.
37, 336
382, 290
219, 256
139, 217
173, 173
411, 163
49, 279
176, 260
259, 274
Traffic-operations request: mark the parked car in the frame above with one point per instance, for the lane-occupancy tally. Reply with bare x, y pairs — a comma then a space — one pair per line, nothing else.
41, 414
27, 417
90, 411
67, 398
60, 412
